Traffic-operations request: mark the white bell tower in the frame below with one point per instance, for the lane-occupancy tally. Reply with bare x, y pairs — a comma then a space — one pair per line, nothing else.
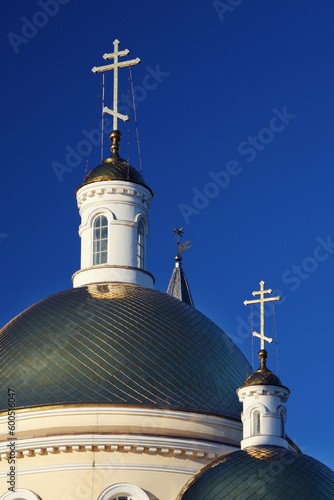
263, 395
264, 413
114, 202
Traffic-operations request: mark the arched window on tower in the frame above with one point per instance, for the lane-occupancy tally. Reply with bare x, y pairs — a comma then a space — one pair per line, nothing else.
141, 246
256, 423
100, 240
282, 426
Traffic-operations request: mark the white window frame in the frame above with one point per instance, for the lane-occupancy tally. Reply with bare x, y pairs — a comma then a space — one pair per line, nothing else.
141, 247
256, 423
123, 489
93, 238
20, 494
282, 417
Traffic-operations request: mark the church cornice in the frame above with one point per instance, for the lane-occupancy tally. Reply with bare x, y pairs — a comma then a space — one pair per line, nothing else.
164, 433
105, 189
107, 266
165, 446
105, 466
261, 390
143, 411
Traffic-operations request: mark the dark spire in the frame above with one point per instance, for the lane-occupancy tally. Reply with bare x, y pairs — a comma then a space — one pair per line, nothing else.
178, 286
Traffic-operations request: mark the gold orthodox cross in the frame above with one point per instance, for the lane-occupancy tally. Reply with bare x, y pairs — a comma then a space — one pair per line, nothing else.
116, 64
261, 301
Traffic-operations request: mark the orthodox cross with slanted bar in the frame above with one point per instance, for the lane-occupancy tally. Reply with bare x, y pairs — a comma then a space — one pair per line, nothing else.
261, 301
116, 64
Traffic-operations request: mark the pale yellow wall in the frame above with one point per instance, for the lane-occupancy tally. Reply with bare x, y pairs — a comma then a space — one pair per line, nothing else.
88, 485
156, 450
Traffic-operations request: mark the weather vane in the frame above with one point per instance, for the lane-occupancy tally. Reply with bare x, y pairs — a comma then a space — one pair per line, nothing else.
116, 64
181, 247
261, 301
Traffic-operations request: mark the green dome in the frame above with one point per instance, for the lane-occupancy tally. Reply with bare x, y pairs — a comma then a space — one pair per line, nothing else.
261, 472
120, 344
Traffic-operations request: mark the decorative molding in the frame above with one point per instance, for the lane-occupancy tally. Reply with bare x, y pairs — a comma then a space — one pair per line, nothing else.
108, 466
259, 390
205, 450
111, 223
108, 273
109, 266
246, 414
82, 409
98, 211
88, 192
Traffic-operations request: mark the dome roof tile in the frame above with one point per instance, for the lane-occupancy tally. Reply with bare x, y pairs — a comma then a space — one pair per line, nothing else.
259, 472
120, 344
114, 169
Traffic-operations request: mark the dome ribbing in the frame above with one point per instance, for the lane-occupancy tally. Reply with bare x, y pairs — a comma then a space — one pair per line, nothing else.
261, 472
114, 168
120, 344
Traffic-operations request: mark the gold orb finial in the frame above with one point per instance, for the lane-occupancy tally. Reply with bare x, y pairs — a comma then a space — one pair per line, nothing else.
115, 138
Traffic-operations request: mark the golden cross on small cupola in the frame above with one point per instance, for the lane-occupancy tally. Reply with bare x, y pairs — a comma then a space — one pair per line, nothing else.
116, 64
261, 301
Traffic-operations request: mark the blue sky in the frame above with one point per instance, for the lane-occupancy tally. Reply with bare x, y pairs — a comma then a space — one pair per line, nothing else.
236, 132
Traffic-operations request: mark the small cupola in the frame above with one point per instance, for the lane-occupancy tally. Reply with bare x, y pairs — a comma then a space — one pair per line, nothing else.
115, 168
263, 395
264, 414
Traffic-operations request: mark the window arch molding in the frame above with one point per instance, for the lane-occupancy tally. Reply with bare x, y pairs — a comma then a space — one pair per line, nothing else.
142, 217
281, 410
100, 239
123, 489
255, 406
105, 211
20, 494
